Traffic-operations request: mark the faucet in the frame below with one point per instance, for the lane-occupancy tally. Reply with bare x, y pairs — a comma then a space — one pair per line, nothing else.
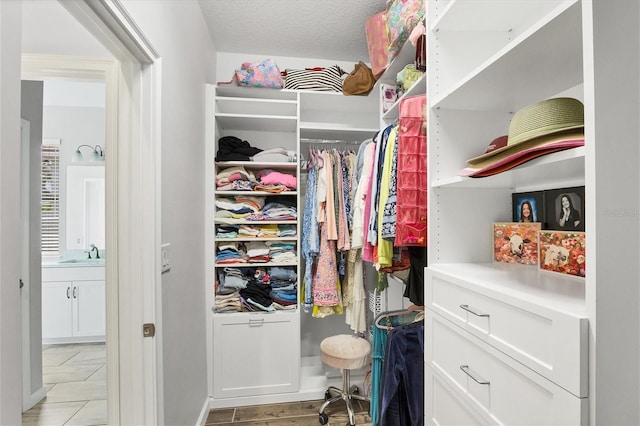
94, 248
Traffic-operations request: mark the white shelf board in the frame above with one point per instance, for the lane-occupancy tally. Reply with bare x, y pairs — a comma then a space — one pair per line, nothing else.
497, 15
547, 171
269, 123
335, 131
405, 56
257, 165
537, 64
555, 291
254, 265
252, 193
254, 92
231, 221
417, 88
249, 239
268, 107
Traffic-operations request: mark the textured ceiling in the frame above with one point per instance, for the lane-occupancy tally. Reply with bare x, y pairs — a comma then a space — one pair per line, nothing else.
319, 29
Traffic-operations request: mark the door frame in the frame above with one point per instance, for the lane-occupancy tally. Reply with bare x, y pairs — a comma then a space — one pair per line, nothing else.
132, 179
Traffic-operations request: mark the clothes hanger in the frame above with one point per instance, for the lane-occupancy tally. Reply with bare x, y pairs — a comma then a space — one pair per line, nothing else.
387, 316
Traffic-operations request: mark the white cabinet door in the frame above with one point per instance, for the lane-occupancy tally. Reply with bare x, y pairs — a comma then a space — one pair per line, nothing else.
255, 354
56, 309
88, 308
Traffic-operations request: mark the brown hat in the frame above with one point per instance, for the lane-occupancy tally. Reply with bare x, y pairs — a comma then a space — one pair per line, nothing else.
360, 81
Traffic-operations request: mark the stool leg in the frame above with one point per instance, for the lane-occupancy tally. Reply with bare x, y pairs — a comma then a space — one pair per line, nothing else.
346, 395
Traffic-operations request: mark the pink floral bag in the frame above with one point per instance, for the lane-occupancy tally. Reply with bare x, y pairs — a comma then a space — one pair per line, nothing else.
258, 74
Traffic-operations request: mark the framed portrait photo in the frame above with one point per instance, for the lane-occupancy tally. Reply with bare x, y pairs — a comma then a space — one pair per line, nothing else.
515, 242
563, 252
564, 209
528, 207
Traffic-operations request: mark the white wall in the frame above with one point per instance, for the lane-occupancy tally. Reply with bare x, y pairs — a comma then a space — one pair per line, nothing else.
61, 35
177, 30
10, 235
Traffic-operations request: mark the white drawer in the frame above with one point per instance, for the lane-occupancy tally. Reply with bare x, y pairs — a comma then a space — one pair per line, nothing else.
255, 354
73, 273
497, 386
550, 341
444, 407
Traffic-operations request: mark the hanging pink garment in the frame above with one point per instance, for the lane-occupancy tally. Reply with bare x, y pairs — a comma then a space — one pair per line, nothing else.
411, 206
325, 278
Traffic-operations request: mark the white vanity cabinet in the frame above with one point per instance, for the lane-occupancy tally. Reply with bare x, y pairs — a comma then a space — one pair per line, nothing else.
73, 304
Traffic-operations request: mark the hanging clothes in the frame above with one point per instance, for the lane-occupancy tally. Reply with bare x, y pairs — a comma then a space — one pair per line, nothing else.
384, 324
403, 389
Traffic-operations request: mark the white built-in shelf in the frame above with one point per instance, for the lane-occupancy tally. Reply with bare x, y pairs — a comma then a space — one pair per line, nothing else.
254, 265
267, 123
335, 131
406, 56
497, 15
244, 106
541, 61
529, 284
260, 193
231, 221
257, 165
247, 239
563, 168
246, 315
417, 88
255, 93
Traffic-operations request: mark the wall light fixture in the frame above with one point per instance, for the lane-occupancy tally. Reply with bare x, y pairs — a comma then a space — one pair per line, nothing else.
96, 155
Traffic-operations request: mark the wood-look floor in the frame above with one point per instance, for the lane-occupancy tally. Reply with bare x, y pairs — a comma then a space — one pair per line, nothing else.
288, 414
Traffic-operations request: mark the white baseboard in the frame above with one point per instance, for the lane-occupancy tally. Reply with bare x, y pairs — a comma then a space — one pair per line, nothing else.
204, 413
35, 397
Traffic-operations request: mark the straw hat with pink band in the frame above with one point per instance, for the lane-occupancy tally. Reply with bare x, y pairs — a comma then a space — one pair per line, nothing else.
539, 129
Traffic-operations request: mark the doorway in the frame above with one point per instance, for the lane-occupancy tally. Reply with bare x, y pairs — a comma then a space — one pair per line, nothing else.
72, 314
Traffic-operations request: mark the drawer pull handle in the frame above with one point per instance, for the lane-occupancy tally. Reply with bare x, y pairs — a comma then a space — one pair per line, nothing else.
465, 369
256, 322
478, 314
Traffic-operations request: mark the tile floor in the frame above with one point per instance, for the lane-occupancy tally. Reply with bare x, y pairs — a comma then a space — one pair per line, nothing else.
288, 414
76, 382
75, 378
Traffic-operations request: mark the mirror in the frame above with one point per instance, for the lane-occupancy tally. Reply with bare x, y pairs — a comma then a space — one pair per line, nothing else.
85, 208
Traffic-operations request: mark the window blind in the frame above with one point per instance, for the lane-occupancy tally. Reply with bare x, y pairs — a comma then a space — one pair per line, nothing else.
50, 198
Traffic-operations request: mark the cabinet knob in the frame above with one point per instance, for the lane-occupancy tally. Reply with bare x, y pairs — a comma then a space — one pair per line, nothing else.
68, 289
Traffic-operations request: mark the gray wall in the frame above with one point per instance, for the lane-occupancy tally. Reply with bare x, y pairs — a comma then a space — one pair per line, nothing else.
178, 32
31, 109
10, 235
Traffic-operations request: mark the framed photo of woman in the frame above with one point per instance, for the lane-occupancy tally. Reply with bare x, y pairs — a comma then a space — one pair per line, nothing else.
528, 207
565, 209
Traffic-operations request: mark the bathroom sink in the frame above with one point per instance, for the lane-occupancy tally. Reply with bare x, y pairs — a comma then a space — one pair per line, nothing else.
83, 261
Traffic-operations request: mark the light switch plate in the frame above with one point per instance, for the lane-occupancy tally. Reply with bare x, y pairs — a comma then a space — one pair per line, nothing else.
165, 258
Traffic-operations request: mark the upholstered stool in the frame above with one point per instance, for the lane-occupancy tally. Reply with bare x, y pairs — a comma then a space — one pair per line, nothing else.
346, 352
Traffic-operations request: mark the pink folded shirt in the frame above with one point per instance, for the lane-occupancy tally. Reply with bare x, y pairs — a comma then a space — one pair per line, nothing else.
275, 178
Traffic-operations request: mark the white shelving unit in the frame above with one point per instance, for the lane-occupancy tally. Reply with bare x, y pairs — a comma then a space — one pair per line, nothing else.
257, 357
487, 60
